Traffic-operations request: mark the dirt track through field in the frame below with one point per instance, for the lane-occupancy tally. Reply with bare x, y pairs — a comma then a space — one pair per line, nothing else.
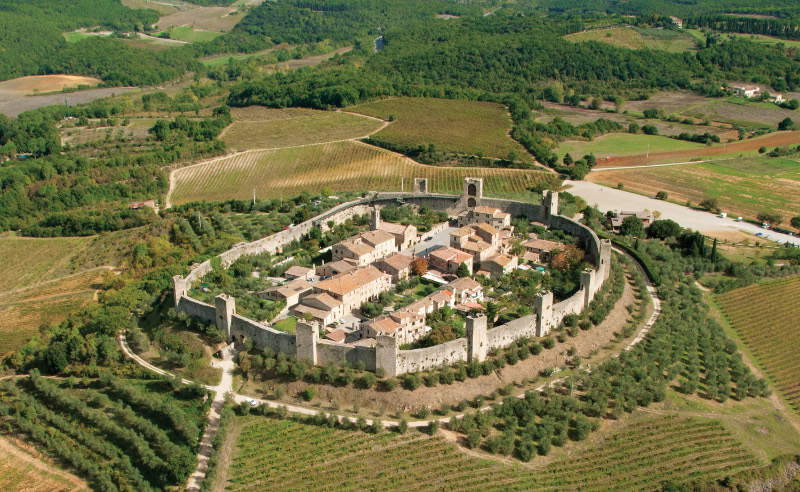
777, 139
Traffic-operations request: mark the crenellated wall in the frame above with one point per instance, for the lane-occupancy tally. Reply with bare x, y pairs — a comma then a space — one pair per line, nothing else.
386, 355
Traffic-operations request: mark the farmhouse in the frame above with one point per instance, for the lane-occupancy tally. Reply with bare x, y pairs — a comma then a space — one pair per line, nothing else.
397, 265
746, 90
447, 259
290, 292
354, 288
365, 248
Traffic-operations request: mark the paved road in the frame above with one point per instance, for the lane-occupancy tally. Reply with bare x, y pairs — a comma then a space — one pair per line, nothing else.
612, 199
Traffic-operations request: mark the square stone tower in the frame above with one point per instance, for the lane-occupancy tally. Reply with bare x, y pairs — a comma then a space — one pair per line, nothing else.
477, 339
306, 337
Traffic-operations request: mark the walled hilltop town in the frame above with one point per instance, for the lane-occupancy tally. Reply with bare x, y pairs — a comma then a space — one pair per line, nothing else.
477, 238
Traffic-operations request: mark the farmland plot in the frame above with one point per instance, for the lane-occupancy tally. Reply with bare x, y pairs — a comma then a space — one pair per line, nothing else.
765, 317
340, 166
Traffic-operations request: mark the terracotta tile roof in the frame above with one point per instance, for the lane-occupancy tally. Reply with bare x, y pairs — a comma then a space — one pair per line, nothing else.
338, 335
464, 283
376, 237
398, 261
501, 260
356, 247
494, 212
344, 283
340, 266
316, 313
485, 227
542, 244
451, 254
462, 231
441, 296
393, 228
476, 245
322, 299
384, 324
297, 271
291, 288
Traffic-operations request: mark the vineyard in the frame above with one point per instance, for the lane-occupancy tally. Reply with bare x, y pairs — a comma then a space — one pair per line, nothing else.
31, 260
20, 471
118, 435
286, 455
765, 317
257, 127
469, 127
341, 166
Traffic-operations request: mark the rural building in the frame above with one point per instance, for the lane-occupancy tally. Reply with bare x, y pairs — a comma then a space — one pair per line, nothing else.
397, 265
354, 288
290, 292
405, 327
490, 215
539, 250
447, 259
365, 248
144, 204
297, 271
499, 265
466, 290
481, 240
320, 307
335, 268
746, 90
645, 216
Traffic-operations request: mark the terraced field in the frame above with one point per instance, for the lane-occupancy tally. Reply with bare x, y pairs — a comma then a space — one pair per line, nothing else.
765, 317
286, 455
468, 127
341, 166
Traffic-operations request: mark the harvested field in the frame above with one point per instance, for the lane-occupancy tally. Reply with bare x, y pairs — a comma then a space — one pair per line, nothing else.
220, 19
28, 261
467, 127
34, 84
164, 8
259, 127
637, 38
612, 145
750, 146
11, 104
744, 187
765, 318
341, 166
24, 311
271, 454
21, 471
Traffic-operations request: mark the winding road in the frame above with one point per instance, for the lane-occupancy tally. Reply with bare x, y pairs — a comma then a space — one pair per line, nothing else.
225, 387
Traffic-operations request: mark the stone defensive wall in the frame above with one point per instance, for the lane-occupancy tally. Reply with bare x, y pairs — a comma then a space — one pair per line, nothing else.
386, 356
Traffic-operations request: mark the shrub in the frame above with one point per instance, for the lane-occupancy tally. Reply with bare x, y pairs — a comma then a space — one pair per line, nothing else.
307, 394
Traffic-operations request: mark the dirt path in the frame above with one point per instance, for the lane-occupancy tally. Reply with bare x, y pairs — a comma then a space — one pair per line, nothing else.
624, 168
776, 139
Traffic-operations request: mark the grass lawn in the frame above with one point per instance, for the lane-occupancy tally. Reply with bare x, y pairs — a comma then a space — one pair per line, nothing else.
288, 324
258, 127
467, 127
616, 144
638, 38
191, 35
340, 166
743, 186
27, 261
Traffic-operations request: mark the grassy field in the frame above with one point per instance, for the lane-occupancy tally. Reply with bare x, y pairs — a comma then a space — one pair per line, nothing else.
341, 166
743, 187
765, 318
637, 38
756, 38
75, 36
616, 144
31, 260
258, 127
191, 35
457, 126
24, 311
285, 455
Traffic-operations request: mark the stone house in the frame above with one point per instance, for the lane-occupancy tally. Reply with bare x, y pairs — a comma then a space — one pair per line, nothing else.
481, 240
746, 90
405, 327
499, 265
448, 259
539, 250
645, 216
431, 303
489, 215
291, 292
365, 248
405, 236
335, 268
320, 307
354, 288
297, 271
397, 265
466, 290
